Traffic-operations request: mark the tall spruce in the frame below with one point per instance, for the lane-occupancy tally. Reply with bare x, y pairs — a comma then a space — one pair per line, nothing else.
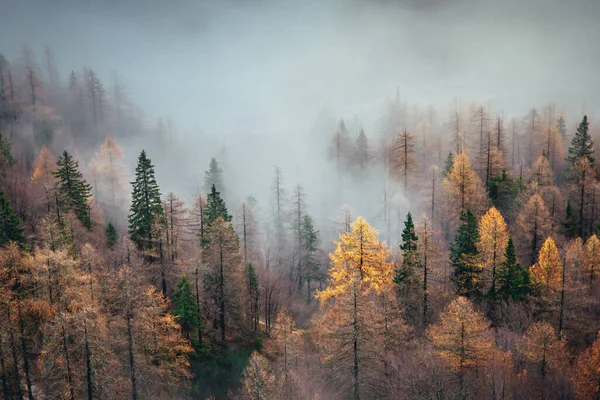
146, 205
215, 207
73, 190
513, 279
10, 225
582, 144
111, 235
214, 176
463, 251
407, 275
185, 308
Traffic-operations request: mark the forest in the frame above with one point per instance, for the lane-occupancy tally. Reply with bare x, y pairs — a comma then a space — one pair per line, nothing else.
444, 252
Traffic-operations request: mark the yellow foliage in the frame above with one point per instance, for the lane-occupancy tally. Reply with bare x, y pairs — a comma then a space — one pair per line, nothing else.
586, 373
464, 187
541, 347
462, 337
358, 256
493, 238
43, 168
547, 272
592, 257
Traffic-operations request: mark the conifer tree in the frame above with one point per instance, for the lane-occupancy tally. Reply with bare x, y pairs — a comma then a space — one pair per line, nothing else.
448, 163
464, 187
6, 157
542, 347
513, 279
587, 372
407, 276
569, 224
463, 251
362, 153
561, 127
309, 239
581, 144
214, 177
215, 207
404, 161
533, 226
111, 235
146, 205
10, 226
493, 239
546, 274
73, 190
184, 307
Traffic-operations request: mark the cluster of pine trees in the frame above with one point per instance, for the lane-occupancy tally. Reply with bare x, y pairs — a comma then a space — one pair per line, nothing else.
113, 289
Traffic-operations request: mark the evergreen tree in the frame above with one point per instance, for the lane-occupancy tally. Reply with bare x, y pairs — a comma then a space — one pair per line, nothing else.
569, 224
111, 235
561, 127
449, 163
73, 190
214, 177
184, 307
309, 238
146, 205
407, 275
581, 144
513, 279
253, 289
463, 251
215, 207
10, 226
6, 158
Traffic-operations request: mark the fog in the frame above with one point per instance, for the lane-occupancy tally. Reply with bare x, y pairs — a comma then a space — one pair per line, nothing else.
263, 83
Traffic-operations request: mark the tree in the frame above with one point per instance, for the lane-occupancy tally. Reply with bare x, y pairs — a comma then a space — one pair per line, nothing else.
184, 307
462, 337
493, 239
6, 157
10, 225
362, 153
542, 348
215, 207
111, 234
463, 187
541, 174
109, 174
309, 266
582, 144
222, 279
407, 276
43, 174
533, 225
581, 184
257, 380
586, 372
175, 217
463, 251
404, 161
73, 190
146, 205
561, 127
569, 224
513, 279
546, 274
214, 177
592, 258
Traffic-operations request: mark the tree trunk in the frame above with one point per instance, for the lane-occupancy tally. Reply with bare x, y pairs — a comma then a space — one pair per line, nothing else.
5, 391
356, 388
24, 351
132, 367
67, 361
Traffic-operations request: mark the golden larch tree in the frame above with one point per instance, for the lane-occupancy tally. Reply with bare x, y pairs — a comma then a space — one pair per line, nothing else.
592, 258
493, 238
533, 225
462, 337
464, 188
546, 273
586, 372
542, 347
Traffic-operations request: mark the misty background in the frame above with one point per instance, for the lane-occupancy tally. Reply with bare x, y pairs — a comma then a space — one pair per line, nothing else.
263, 83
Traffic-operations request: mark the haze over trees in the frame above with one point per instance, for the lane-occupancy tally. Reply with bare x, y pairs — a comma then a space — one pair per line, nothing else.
445, 249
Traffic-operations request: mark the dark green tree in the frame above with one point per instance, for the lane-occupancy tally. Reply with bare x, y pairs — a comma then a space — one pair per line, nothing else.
184, 307
504, 191
215, 207
146, 205
111, 235
214, 176
448, 163
569, 224
6, 158
10, 225
309, 241
465, 273
73, 190
513, 279
581, 144
407, 275
561, 127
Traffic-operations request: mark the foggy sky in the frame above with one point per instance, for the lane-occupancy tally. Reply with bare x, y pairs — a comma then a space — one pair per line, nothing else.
257, 75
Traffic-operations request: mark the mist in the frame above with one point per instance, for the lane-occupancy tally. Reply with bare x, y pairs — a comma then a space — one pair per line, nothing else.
263, 83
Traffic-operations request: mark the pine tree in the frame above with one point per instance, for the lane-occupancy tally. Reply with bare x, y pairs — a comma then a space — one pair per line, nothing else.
214, 177
448, 163
73, 190
561, 127
112, 237
569, 224
184, 307
407, 276
215, 207
581, 144
309, 239
465, 273
362, 152
513, 279
10, 226
6, 158
146, 205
